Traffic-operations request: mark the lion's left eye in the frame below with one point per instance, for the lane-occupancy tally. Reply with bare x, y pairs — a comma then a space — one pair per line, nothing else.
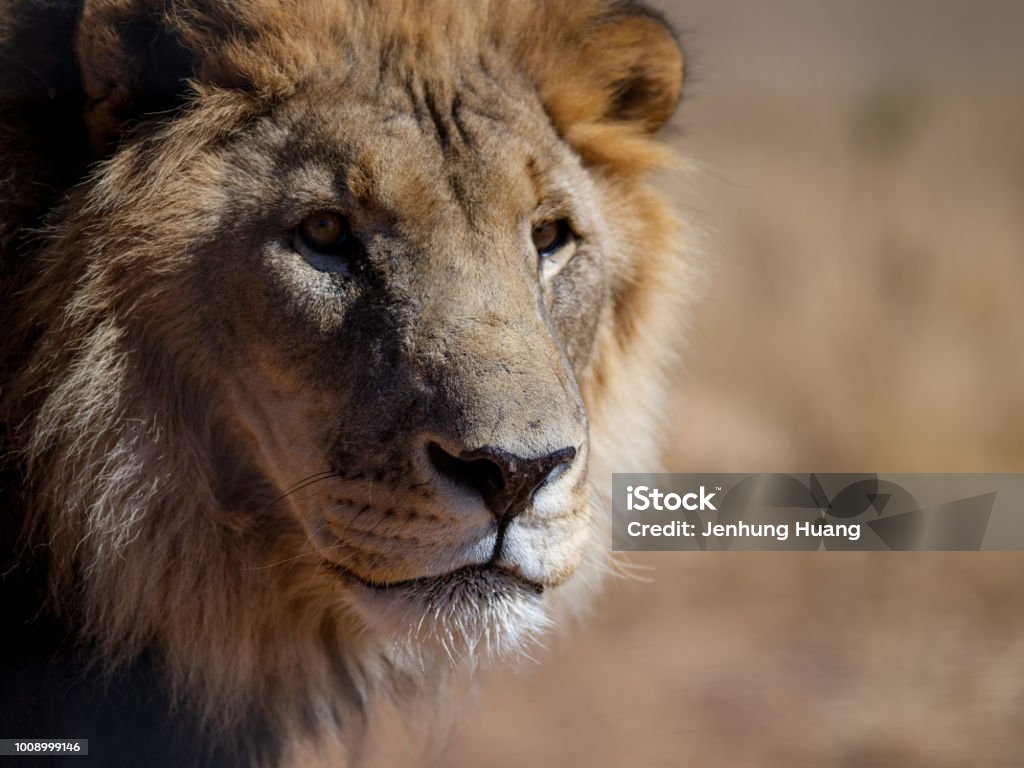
324, 237
555, 243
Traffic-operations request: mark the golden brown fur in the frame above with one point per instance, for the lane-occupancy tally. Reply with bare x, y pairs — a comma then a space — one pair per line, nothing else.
219, 444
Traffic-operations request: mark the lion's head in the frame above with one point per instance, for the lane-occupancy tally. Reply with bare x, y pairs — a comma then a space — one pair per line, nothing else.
319, 369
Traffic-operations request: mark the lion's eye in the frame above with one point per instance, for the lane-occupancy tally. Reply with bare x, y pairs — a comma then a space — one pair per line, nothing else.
549, 236
325, 233
555, 244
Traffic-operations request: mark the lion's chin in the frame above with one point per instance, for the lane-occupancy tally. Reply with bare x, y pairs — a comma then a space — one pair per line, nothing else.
473, 612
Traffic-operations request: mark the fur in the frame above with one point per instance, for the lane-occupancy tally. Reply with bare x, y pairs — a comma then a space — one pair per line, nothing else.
213, 447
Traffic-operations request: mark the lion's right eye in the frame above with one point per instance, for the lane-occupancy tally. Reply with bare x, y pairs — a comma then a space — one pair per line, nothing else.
555, 243
325, 233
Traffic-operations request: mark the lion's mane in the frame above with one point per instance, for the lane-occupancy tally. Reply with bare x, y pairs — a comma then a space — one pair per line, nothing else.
117, 553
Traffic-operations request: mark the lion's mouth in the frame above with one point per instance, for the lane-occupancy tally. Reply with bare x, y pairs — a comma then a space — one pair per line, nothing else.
474, 610
467, 575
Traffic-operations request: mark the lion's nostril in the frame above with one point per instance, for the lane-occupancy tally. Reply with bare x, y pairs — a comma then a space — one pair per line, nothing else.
506, 482
478, 474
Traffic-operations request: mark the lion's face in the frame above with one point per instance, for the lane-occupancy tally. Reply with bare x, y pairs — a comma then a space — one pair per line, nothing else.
405, 288
343, 326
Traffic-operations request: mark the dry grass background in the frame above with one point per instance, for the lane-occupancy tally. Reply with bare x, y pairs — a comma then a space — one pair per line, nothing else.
861, 174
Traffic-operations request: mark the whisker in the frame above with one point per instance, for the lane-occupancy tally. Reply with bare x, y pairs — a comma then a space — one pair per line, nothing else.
305, 483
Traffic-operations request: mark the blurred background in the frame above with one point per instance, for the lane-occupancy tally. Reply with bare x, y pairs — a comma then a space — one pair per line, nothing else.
859, 172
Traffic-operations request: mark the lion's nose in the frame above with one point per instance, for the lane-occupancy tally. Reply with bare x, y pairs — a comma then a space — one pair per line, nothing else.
505, 481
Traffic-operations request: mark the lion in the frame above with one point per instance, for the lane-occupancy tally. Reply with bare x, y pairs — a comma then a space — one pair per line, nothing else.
326, 323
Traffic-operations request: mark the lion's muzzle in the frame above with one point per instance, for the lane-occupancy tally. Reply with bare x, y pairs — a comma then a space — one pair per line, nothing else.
506, 482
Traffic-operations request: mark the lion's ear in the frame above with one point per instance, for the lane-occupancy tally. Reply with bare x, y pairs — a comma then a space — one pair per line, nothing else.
132, 63
627, 70
635, 59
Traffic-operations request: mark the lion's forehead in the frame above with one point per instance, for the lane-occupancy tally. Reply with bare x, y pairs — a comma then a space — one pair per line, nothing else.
417, 154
